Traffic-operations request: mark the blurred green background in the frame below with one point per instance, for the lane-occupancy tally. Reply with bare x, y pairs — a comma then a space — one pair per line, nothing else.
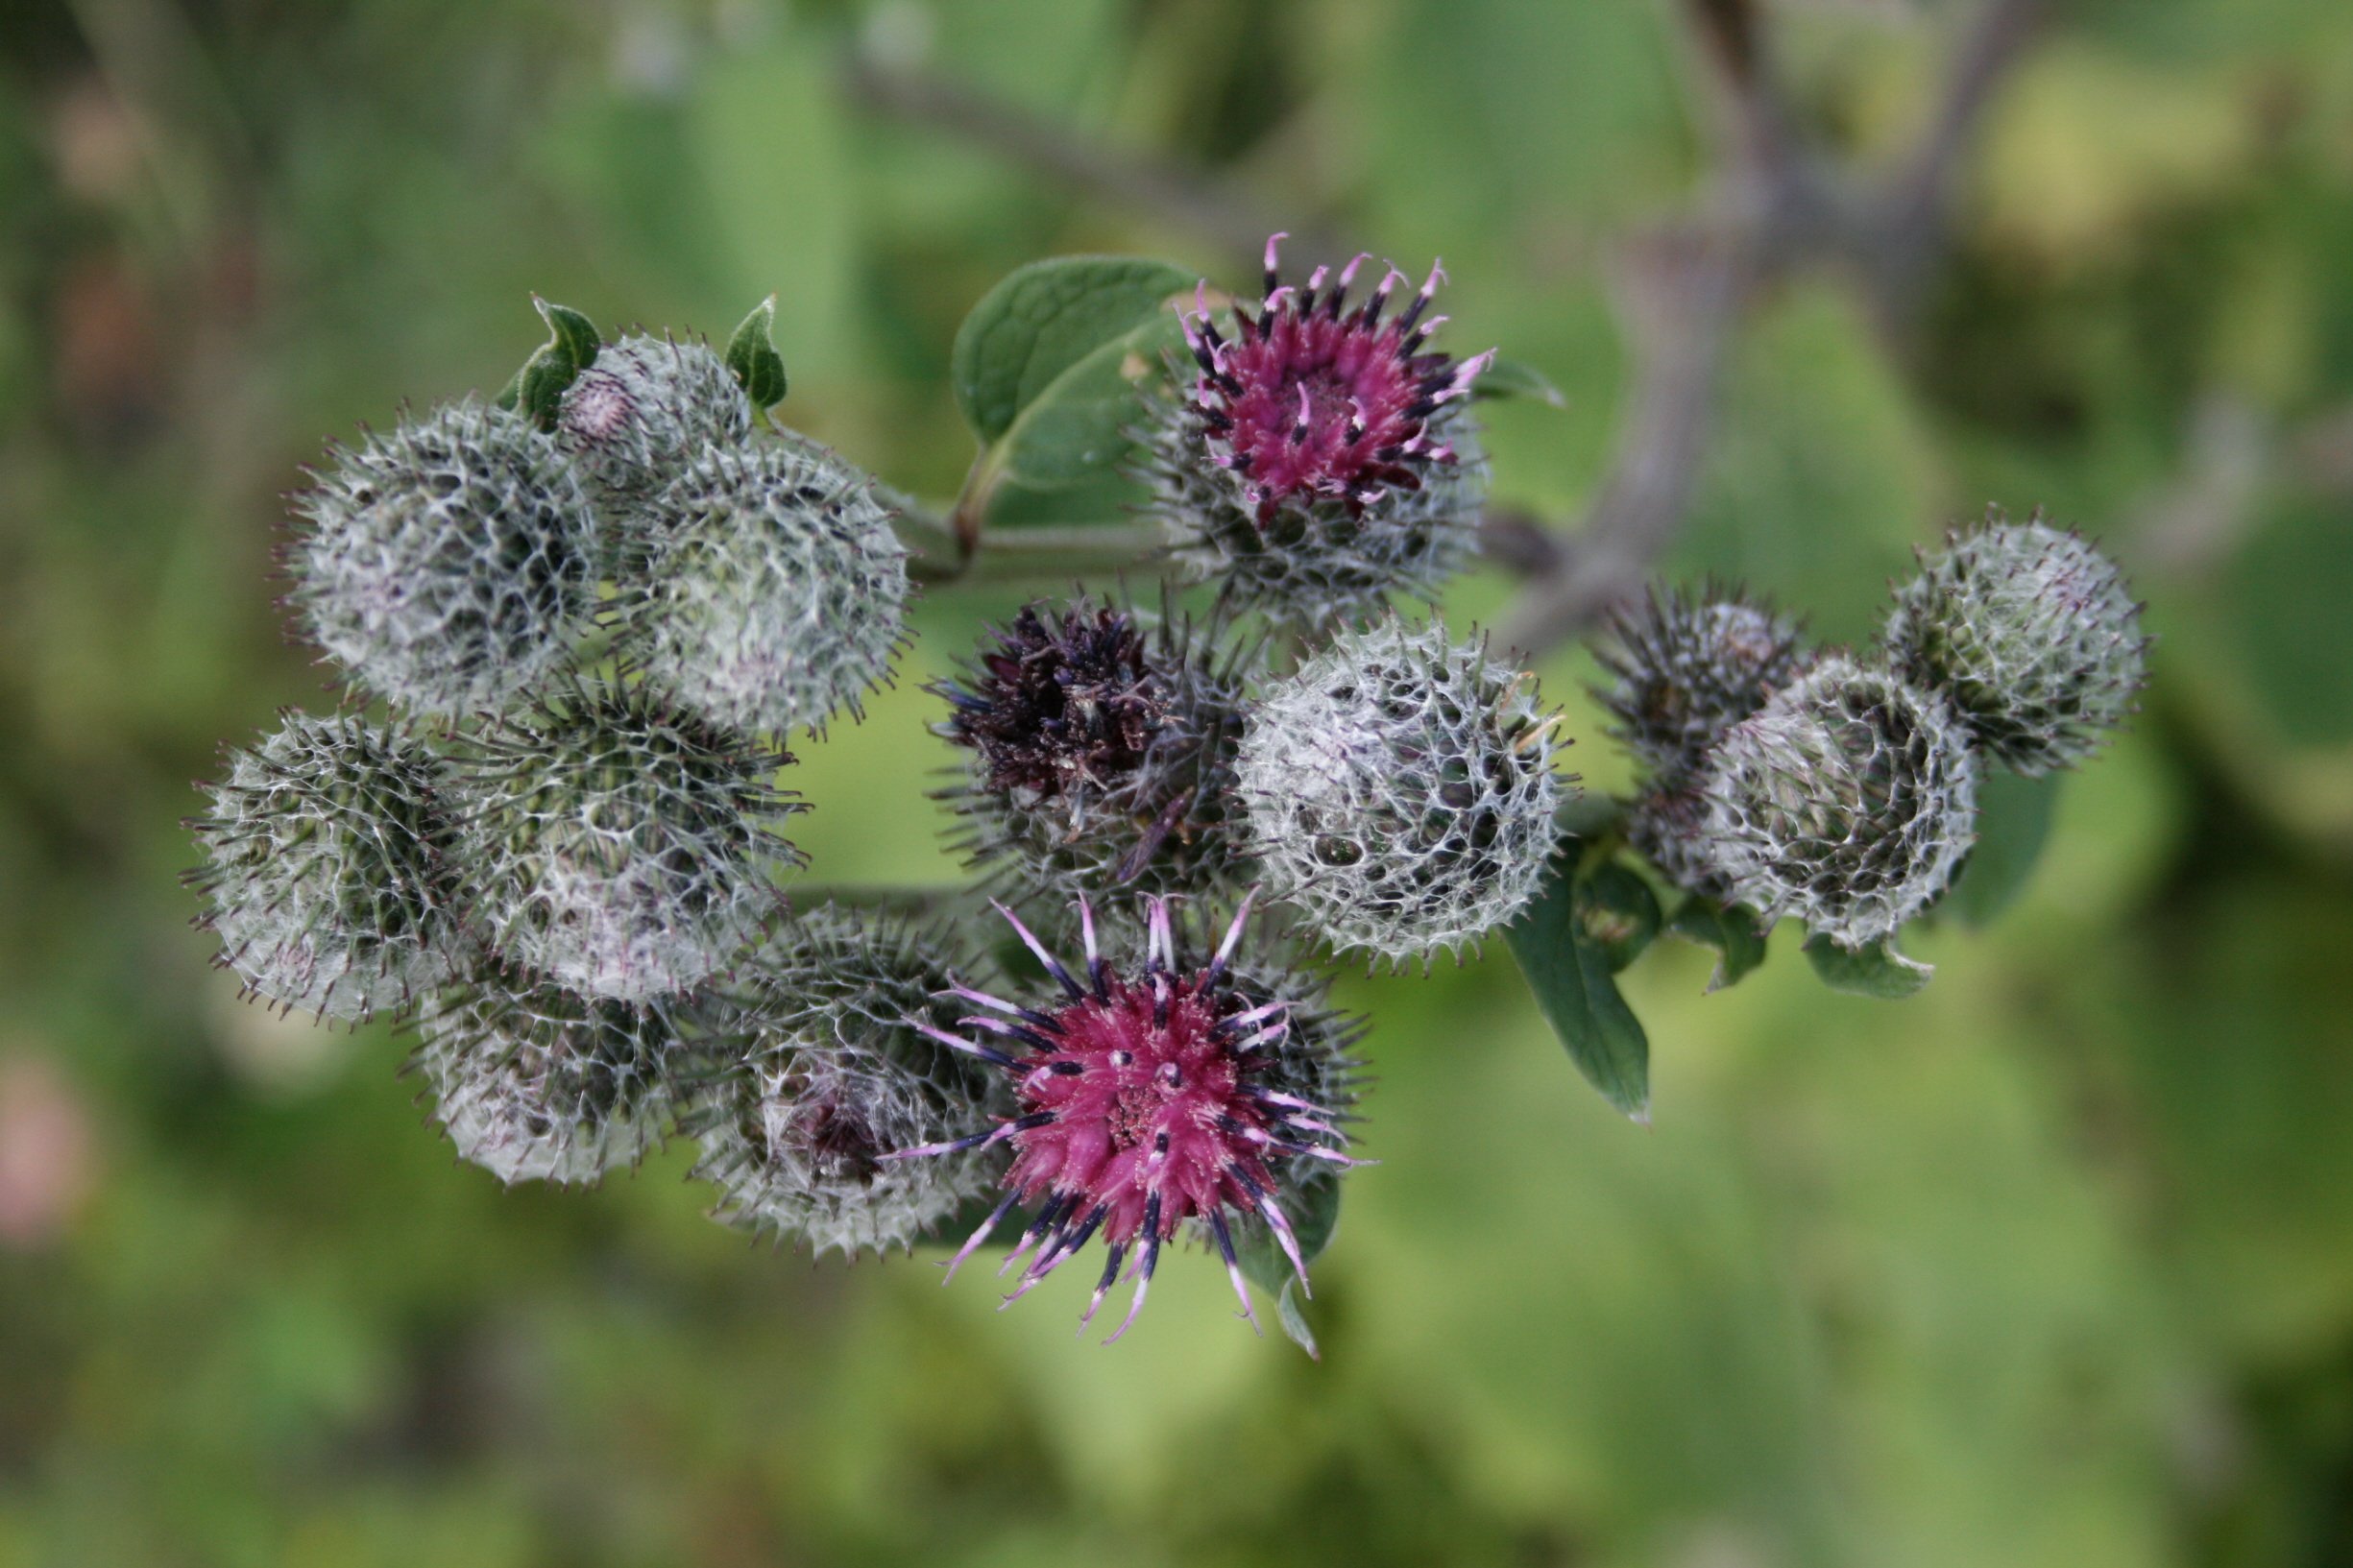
2051, 1265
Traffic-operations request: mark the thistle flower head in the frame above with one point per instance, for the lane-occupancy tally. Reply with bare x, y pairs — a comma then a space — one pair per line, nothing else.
1849, 800
535, 1083
647, 408
1320, 459
2031, 633
1148, 1095
1101, 750
1400, 791
325, 873
616, 847
776, 591
448, 565
821, 1073
1689, 667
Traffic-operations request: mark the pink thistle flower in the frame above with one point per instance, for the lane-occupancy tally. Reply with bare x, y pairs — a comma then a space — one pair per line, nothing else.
1311, 399
1143, 1101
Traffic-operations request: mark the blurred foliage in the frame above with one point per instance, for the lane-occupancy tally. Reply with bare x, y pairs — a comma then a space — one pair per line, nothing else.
2050, 1265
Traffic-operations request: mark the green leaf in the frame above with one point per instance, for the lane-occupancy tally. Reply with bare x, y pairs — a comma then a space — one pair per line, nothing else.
751, 354
571, 331
1507, 378
1571, 978
1043, 320
1619, 913
538, 388
1312, 1205
1878, 970
1294, 1321
1731, 930
1075, 428
2013, 820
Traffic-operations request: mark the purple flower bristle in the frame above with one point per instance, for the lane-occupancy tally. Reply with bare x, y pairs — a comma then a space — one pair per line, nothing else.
1310, 398
1141, 1103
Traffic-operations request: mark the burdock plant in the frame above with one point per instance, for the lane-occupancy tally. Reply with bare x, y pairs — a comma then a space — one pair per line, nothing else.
577, 625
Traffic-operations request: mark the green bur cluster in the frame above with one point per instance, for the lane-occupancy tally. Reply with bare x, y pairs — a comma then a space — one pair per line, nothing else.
821, 1071
1400, 790
774, 595
645, 411
1842, 790
1847, 801
610, 598
2032, 635
327, 870
447, 566
538, 1083
616, 847
615, 593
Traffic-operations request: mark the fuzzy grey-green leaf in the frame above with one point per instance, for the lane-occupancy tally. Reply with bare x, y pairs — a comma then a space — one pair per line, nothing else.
2013, 820
1294, 1321
752, 356
1571, 978
571, 331
1313, 1208
1075, 428
1875, 969
1618, 913
1507, 378
1732, 931
1045, 318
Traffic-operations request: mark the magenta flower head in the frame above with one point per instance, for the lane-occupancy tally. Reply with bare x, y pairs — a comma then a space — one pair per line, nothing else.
1321, 459
1146, 1100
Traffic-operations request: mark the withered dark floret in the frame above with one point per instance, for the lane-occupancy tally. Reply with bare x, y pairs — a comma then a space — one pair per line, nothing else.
1059, 702
1101, 749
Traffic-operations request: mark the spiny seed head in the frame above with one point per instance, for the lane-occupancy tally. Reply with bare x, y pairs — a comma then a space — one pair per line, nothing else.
1689, 667
534, 1083
2031, 633
822, 1071
616, 847
1667, 827
1150, 1095
643, 413
1101, 749
1849, 800
324, 869
448, 564
776, 594
1321, 459
1400, 790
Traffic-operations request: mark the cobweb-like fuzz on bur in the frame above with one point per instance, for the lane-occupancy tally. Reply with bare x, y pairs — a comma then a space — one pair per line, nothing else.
1321, 459
1688, 667
818, 1070
1400, 790
448, 564
1848, 801
647, 408
1152, 1096
2031, 633
617, 846
325, 871
535, 1083
777, 594
1101, 751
